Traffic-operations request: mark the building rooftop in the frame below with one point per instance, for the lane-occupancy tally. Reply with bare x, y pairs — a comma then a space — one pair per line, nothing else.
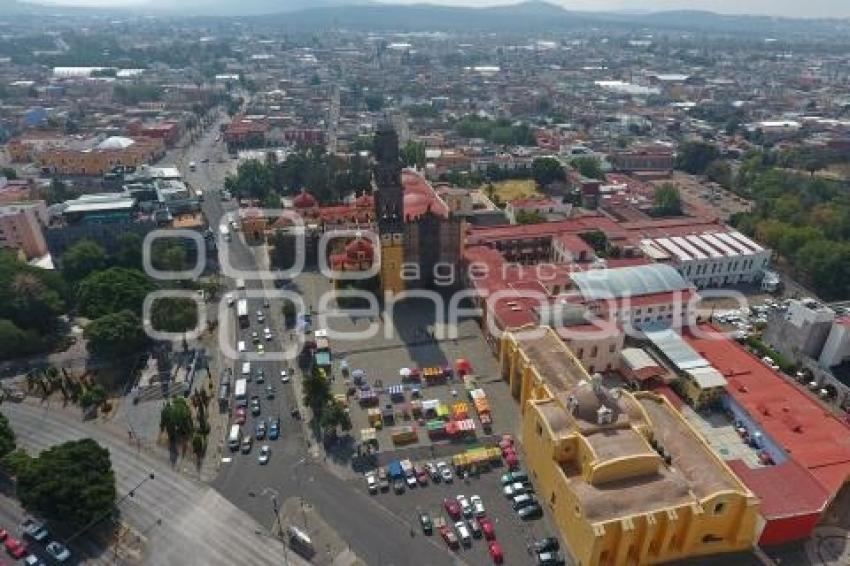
806, 430
629, 281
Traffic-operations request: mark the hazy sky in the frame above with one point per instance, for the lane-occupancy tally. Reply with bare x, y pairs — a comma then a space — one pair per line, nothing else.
795, 8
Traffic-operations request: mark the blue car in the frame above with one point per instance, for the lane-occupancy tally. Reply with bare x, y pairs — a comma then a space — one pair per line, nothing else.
274, 430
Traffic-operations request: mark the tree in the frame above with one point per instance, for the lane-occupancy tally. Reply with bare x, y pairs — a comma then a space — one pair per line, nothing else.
9, 173
93, 396
588, 166
129, 252
16, 342
82, 259
174, 314
413, 154
374, 101
72, 483
175, 420
334, 417
115, 336
529, 217
56, 192
169, 255
719, 172
694, 157
113, 290
547, 170
317, 392
666, 201
7, 437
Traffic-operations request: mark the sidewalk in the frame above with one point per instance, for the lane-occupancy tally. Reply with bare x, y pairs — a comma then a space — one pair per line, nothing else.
329, 547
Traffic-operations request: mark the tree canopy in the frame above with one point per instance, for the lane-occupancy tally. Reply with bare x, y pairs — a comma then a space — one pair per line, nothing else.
499, 131
588, 166
82, 259
413, 154
7, 437
175, 420
694, 157
113, 290
547, 170
71, 483
666, 200
116, 335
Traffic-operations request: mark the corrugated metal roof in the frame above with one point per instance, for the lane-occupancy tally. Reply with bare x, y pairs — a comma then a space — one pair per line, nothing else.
674, 347
629, 281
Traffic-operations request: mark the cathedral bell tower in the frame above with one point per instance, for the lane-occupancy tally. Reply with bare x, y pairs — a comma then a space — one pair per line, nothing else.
389, 206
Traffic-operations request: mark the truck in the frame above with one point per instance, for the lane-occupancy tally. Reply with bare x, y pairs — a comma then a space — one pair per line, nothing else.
242, 313
235, 437
240, 392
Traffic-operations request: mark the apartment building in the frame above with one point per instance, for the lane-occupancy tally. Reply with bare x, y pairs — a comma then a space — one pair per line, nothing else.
22, 227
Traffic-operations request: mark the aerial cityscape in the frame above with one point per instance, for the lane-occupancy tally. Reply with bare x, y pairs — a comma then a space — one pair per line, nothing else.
347, 283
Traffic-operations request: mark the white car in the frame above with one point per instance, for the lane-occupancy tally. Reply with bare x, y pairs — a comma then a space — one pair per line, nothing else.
515, 489
284, 376
58, 551
265, 453
477, 505
465, 505
261, 317
372, 482
267, 334
463, 533
445, 471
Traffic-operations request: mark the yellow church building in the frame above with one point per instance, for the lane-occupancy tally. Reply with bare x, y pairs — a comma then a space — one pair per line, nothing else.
625, 476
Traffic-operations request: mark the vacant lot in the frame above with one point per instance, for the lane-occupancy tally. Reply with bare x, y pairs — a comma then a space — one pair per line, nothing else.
513, 189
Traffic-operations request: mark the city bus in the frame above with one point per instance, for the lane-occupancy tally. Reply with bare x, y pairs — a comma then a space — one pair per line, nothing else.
242, 312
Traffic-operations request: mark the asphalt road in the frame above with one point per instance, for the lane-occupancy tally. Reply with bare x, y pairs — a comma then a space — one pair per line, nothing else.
374, 534
198, 526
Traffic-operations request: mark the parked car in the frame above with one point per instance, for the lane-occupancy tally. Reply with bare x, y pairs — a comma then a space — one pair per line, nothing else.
239, 415
547, 544
523, 500
432, 470
426, 522
260, 430
267, 334
255, 405
411, 480
15, 548
465, 505
265, 454
487, 528
58, 551
449, 536
514, 477
398, 486
383, 480
261, 317
270, 391
255, 337
452, 508
246, 444
533, 511
463, 533
274, 430
514, 489
477, 505
445, 471
371, 482
34, 530
284, 376
421, 475
475, 527
33, 560
495, 550
549, 559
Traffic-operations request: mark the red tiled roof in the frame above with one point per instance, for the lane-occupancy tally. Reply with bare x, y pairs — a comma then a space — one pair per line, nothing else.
808, 432
420, 196
784, 490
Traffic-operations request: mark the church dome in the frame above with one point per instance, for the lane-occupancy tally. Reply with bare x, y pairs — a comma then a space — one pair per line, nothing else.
360, 248
586, 401
305, 200
115, 142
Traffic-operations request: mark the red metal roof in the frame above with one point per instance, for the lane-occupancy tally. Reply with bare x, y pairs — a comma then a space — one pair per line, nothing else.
808, 432
784, 490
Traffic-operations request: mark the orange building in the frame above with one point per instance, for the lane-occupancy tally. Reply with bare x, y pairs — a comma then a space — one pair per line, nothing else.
93, 156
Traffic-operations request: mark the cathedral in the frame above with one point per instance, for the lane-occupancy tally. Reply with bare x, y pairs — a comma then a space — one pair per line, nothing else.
420, 238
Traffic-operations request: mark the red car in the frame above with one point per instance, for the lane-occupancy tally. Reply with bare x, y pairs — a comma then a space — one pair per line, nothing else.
449, 536
496, 552
421, 476
487, 528
452, 508
240, 415
15, 547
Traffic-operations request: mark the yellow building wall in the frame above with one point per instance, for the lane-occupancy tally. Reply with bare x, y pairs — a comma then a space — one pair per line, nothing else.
392, 258
654, 537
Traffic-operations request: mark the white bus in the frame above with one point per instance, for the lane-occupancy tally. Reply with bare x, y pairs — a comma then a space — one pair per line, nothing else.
225, 232
242, 312
240, 393
235, 437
